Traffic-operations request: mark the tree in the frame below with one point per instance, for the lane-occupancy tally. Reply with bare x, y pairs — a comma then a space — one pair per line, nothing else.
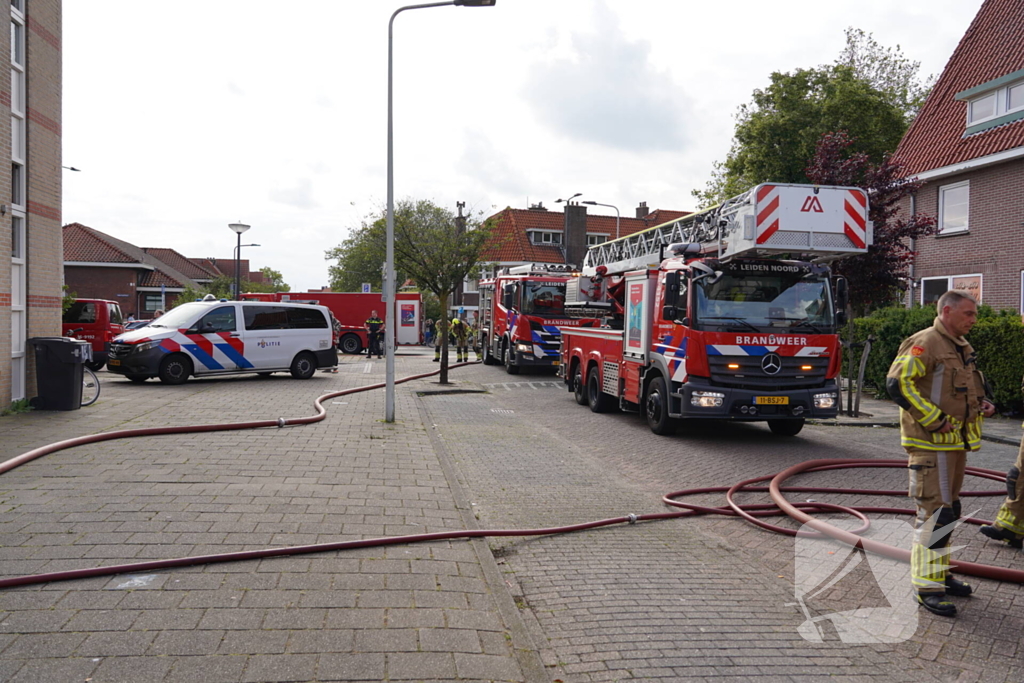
360, 257
878, 277
275, 282
870, 91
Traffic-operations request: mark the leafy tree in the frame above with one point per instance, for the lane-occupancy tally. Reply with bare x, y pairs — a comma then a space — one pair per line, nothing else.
67, 299
360, 257
275, 282
871, 91
878, 277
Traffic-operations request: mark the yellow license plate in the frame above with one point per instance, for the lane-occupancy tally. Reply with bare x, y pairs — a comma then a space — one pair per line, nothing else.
771, 400
113, 361
555, 362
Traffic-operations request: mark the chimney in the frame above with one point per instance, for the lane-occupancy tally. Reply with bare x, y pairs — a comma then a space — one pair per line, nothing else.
641, 211
574, 238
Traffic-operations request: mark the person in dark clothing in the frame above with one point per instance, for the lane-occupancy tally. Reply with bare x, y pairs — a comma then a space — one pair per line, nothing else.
374, 335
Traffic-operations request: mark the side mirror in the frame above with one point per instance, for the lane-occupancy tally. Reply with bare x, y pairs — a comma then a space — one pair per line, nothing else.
669, 313
840, 318
842, 294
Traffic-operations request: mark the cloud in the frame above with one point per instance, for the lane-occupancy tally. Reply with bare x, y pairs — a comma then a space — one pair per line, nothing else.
300, 196
491, 167
609, 93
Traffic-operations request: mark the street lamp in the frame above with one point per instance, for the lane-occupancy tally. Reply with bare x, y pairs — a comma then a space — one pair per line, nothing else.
389, 265
569, 200
610, 206
238, 229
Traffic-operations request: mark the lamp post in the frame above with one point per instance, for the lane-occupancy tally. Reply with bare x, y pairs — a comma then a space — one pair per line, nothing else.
389, 265
610, 206
238, 260
238, 229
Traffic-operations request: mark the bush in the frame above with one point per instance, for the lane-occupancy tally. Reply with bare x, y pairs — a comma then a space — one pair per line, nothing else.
998, 339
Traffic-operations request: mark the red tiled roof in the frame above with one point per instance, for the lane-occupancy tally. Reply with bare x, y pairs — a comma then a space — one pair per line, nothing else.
180, 263
993, 46
82, 243
510, 243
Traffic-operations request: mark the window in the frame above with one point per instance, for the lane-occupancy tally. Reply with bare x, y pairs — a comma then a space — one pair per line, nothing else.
266, 318
545, 237
954, 208
81, 313
595, 239
220, 319
934, 287
17, 185
18, 238
470, 285
306, 319
114, 313
994, 103
982, 108
151, 302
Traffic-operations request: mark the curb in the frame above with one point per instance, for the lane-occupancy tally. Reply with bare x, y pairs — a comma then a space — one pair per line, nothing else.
1006, 441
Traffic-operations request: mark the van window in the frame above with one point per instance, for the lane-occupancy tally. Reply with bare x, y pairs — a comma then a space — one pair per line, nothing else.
306, 319
220, 319
115, 314
266, 317
81, 313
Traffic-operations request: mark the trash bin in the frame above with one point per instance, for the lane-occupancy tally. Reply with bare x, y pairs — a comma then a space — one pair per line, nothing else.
59, 363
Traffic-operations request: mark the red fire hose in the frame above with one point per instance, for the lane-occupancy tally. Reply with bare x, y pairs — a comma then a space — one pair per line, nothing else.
797, 511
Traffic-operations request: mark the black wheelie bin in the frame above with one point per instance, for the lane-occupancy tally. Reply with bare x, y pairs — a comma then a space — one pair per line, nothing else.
59, 362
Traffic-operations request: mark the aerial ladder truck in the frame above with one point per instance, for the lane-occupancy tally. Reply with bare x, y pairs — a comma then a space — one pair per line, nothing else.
730, 313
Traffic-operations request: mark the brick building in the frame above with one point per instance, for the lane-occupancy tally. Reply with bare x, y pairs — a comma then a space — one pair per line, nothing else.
30, 139
538, 235
141, 280
967, 144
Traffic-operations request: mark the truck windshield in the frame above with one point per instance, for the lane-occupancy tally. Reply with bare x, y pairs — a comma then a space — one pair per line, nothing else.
544, 298
765, 300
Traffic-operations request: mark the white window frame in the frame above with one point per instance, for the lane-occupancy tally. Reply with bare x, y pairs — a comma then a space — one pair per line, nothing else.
469, 285
1002, 107
942, 208
595, 238
949, 283
546, 237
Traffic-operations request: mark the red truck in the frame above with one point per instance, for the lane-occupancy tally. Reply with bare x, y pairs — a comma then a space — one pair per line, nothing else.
522, 311
353, 308
730, 313
96, 321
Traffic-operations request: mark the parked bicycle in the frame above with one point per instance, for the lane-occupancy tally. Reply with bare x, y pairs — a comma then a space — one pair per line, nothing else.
90, 383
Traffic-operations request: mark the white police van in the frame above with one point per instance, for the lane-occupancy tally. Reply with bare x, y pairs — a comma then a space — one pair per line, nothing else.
220, 337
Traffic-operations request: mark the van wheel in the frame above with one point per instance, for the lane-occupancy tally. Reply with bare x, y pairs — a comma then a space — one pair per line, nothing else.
579, 389
350, 344
786, 427
656, 408
95, 366
175, 369
304, 365
598, 401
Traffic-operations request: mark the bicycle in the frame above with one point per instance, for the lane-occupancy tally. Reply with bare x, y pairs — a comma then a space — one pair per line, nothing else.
90, 383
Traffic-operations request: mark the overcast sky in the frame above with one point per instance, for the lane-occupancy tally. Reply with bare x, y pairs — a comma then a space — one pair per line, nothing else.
184, 118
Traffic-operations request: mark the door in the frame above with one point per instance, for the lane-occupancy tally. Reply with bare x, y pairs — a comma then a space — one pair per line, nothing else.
263, 335
407, 317
215, 342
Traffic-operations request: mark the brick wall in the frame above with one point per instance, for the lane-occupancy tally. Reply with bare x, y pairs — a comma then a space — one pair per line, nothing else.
994, 245
114, 284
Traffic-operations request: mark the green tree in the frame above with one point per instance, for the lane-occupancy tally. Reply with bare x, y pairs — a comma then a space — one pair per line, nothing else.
360, 257
275, 282
870, 91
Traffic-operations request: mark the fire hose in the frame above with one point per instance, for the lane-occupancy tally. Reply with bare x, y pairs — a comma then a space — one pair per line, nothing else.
753, 513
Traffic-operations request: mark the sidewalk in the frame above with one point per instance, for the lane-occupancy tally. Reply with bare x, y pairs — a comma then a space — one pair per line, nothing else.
877, 412
427, 611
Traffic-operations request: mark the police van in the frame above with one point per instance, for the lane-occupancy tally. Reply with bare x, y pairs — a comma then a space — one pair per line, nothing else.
220, 337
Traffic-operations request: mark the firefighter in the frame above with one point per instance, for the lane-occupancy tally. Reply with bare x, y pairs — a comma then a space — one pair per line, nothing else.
374, 335
1009, 524
460, 335
941, 394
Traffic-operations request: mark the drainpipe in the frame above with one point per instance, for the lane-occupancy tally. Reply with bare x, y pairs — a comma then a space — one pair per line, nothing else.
913, 250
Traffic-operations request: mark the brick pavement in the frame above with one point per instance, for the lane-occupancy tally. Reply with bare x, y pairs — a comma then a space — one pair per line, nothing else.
407, 612
691, 599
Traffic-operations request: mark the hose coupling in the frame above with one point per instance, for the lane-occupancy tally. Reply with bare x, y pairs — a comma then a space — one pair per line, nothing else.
281, 422
632, 518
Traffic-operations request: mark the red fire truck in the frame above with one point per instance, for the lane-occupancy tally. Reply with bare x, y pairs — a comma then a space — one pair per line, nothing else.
729, 313
521, 312
353, 308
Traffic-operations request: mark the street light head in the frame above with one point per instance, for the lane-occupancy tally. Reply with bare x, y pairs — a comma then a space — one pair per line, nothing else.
238, 228
474, 3
559, 201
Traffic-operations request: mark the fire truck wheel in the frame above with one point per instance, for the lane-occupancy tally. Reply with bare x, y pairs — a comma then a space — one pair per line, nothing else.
598, 401
489, 359
175, 369
786, 427
350, 344
304, 365
579, 389
510, 367
656, 408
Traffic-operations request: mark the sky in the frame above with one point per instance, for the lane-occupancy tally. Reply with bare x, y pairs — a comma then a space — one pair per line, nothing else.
275, 114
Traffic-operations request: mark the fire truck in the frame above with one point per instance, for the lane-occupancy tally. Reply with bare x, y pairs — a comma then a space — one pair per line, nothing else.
729, 313
521, 312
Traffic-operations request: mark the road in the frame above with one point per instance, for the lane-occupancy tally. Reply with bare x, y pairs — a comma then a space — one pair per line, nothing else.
698, 598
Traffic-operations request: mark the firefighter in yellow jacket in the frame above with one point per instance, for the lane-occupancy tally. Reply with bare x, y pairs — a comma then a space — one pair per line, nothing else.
936, 382
1009, 525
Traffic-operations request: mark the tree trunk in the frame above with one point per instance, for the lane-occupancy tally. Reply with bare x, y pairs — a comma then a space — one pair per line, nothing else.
444, 296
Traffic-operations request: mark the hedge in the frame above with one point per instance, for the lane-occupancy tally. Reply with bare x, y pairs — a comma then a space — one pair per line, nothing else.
998, 339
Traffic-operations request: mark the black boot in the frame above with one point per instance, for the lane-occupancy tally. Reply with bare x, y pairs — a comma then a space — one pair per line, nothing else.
998, 533
936, 603
957, 588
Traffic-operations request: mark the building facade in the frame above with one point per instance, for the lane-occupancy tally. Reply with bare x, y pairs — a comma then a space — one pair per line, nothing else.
30, 206
967, 145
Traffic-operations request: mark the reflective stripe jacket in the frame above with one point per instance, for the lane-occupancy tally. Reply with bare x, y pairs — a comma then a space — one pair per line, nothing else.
935, 380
